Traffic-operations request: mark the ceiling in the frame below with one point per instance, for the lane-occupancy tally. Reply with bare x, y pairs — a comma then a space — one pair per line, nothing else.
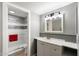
41, 7
16, 12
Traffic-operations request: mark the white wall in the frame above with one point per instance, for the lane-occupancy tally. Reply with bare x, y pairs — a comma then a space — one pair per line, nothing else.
34, 29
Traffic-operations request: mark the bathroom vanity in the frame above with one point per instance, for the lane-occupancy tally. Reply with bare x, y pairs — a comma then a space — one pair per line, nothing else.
60, 27
54, 47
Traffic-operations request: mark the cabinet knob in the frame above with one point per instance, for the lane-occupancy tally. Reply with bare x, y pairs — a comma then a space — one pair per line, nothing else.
54, 49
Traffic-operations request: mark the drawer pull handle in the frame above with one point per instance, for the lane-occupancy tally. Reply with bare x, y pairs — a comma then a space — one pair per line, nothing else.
42, 43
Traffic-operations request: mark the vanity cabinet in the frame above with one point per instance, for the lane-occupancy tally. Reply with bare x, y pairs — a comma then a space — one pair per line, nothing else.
47, 49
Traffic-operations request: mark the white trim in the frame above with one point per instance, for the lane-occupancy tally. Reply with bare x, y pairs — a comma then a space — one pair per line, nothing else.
29, 43
5, 29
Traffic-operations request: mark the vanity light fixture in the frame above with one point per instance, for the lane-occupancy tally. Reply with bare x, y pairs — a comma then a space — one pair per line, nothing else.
12, 12
53, 15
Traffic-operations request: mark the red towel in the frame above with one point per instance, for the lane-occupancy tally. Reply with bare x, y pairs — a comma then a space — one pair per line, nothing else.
13, 37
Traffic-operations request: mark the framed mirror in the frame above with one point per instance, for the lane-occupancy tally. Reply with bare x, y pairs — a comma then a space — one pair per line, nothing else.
54, 23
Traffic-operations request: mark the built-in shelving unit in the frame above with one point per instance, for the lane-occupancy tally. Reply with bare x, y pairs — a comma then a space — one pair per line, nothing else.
17, 24
16, 27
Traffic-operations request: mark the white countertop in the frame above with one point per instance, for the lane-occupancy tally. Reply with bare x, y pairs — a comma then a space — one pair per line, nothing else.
59, 42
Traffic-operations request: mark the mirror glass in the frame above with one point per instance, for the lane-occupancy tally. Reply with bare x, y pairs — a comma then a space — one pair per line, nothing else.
54, 23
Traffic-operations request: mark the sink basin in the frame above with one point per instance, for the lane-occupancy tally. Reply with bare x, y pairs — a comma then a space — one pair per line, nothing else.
44, 37
57, 40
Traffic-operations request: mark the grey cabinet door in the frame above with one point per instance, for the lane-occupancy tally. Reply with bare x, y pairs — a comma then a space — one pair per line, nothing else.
42, 49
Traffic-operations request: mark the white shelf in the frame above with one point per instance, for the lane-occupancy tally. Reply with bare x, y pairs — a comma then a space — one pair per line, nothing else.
17, 24
16, 48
